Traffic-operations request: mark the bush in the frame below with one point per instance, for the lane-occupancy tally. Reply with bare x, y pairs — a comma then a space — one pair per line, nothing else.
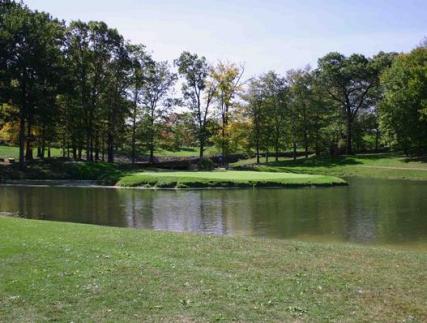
206, 164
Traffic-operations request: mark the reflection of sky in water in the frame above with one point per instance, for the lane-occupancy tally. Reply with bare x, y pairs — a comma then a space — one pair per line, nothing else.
368, 211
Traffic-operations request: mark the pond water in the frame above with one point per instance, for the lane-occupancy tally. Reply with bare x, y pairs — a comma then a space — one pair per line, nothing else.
367, 211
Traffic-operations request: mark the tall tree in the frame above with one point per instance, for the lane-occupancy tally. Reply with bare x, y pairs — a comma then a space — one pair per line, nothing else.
160, 81
349, 81
257, 114
228, 79
30, 43
403, 110
141, 63
116, 104
274, 94
198, 91
308, 109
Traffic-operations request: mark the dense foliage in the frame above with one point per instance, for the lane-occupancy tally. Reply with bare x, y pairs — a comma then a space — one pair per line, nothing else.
82, 88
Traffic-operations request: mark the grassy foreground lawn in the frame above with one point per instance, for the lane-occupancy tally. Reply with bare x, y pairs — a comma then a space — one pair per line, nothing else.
225, 178
387, 166
71, 272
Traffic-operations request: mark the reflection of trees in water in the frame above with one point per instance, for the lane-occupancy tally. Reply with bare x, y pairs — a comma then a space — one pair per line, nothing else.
173, 211
366, 211
82, 205
294, 213
208, 211
361, 214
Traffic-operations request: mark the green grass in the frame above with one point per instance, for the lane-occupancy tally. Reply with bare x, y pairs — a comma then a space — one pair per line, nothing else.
59, 170
185, 152
387, 166
69, 272
13, 152
224, 178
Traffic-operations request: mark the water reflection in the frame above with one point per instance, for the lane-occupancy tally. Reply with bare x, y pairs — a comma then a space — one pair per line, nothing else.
368, 211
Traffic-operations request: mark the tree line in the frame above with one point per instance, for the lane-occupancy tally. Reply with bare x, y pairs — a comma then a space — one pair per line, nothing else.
81, 87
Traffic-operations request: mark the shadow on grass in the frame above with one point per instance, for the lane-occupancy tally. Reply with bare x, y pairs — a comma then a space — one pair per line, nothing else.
329, 161
315, 162
419, 159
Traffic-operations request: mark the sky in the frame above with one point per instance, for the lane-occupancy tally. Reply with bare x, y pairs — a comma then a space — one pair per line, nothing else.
263, 35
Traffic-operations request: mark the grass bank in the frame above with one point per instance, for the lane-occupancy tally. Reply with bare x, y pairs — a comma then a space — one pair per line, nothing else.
387, 166
71, 272
54, 169
225, 179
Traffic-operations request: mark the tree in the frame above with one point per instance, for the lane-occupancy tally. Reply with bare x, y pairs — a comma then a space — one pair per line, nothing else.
256, 112
350, 81
198, 91
308, 111
159, 82
403, 111
228, 81
141, 63
274, 93
116, 104
99, 69
31, 43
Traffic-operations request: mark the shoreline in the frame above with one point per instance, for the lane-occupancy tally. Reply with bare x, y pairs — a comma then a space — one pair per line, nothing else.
97, 184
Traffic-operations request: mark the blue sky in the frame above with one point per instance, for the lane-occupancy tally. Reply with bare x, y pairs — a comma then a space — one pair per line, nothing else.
264, 35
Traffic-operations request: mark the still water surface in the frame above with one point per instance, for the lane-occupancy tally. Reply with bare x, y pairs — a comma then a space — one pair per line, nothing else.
367, 211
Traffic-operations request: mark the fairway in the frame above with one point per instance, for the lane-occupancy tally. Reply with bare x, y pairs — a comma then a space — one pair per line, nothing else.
225, 178
386, 166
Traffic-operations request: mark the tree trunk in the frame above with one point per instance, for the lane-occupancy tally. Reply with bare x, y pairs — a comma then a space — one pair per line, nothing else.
202, 143
295, 151
349, 148
377, 139
133, 140
21, 140
223, 141
135, 105
152, 130
110, 148
88, 145
63, 146
29, 149
202, 149
305, 143
151, 155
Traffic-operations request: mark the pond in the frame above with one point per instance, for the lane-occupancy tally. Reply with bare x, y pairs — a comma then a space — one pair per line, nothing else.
367, 211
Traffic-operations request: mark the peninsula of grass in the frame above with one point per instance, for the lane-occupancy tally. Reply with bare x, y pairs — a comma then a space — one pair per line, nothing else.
385, 166
225, 179
77, 273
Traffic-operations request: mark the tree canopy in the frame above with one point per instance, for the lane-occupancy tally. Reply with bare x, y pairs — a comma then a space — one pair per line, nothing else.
81, 87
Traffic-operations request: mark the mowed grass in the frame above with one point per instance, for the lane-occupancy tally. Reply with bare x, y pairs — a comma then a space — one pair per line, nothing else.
13, 152
224, 178
77, 273
186, 152
387, 166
